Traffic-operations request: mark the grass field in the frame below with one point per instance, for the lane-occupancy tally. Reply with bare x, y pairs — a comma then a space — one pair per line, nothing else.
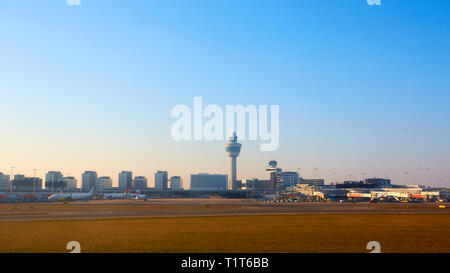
268, 233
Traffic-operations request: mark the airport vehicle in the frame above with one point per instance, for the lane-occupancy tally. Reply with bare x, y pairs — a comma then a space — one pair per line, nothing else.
73, 196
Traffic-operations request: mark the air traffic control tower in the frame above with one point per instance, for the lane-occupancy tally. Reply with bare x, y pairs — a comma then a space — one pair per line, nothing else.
233, 149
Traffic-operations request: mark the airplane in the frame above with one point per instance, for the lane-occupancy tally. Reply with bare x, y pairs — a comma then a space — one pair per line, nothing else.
141, 197
137, 196
73, 196
112, 196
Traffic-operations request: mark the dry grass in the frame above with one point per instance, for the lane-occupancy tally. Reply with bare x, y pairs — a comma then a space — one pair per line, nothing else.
269, 233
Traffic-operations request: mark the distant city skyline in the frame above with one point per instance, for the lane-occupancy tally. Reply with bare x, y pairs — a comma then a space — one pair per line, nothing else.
151, 183
362, 90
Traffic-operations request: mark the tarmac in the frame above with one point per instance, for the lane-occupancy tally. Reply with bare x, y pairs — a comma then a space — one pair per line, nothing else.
116, 209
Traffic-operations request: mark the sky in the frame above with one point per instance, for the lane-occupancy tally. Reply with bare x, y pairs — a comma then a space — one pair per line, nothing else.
363, 90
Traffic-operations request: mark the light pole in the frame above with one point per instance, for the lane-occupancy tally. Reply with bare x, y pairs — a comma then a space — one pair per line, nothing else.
317, 176
298, 177
11, 179
34, 180
406, 178
253, 187
67, 184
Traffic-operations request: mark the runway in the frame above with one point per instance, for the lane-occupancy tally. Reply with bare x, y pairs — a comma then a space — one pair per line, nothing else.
116, 209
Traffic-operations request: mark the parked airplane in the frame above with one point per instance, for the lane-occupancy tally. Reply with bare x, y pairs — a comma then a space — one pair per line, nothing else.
137, 196
112, 196
141, 197
72, 196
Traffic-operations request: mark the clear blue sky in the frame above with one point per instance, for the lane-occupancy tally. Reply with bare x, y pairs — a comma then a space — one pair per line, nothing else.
361, 89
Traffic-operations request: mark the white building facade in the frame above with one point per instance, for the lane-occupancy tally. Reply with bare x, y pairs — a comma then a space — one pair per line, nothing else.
176, 183
88, 180
4, 182
104, 183
161, 180
71, 182
125, 180
140, 183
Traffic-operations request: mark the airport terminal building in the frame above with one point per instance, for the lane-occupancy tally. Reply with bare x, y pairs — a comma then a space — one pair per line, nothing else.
209, 182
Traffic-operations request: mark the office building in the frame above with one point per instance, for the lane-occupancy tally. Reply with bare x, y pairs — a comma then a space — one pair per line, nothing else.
4, 182
288, 180
161, 180
54, 181
209, 182
311, 182
176, 183
140, 183
125, 180
71, 183
88, 180
104, 183
22, 183
19, 177
368, 183
378, 182
256, 184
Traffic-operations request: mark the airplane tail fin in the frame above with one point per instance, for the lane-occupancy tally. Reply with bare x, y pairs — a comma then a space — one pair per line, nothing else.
93, 189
